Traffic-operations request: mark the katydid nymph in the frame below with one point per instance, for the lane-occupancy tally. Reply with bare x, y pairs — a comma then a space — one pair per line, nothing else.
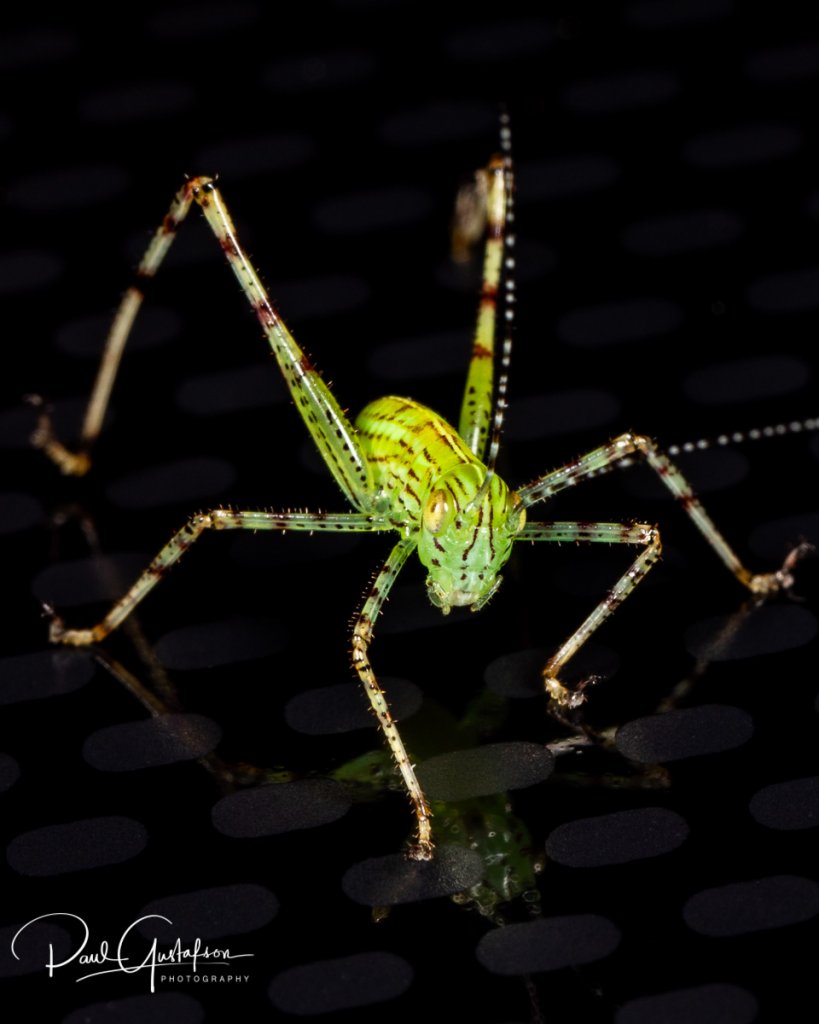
401, 467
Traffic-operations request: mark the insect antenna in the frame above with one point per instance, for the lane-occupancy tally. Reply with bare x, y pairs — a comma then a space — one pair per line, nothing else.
508, 302
736, 437
743, 436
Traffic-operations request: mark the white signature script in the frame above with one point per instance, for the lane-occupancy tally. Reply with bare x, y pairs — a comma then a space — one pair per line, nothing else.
106, 953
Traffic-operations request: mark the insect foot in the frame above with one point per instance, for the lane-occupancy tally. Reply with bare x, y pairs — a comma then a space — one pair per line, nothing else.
563, 701
44, 439
421, 851
561, 696
58, 634
767, 583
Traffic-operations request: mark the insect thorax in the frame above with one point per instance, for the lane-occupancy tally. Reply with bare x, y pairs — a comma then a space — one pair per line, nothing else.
434, 487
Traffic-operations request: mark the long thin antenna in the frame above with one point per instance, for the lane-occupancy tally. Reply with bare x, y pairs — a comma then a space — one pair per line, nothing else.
508, 320
743, 436
508, 293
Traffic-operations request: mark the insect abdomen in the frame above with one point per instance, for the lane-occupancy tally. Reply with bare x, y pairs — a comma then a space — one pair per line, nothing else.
409, 447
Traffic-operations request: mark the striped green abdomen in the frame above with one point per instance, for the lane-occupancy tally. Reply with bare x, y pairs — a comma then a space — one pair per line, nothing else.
408, 447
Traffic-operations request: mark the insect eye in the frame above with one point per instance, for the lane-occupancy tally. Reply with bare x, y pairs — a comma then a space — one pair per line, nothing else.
436, 511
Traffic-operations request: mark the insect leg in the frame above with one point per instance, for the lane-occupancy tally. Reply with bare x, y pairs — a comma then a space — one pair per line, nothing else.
362, 637
624, 447
334, 435
606, 533
332, 432
217, 519
77, 463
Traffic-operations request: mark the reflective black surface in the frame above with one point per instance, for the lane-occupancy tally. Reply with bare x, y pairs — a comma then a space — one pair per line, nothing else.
667, 212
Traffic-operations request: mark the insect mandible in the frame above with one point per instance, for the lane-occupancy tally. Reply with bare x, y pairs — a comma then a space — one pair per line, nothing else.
403, 468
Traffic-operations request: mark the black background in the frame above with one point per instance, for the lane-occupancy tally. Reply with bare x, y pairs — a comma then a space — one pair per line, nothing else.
667, 160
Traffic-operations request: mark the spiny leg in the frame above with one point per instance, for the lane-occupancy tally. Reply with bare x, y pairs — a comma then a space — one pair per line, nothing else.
77, 463
217, 519
362, 637
333, 434
623, 447
606, 533
226, 519
331, 430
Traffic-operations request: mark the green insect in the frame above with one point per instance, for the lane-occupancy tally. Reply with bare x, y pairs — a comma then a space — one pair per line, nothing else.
403, 468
